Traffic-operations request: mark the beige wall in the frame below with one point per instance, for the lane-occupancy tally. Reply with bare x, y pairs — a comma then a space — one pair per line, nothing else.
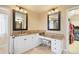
38, 21
33, 21
43, 21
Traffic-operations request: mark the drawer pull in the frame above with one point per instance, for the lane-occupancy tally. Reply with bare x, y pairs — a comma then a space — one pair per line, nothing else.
55, 43
25, 39
32, 37
55, 48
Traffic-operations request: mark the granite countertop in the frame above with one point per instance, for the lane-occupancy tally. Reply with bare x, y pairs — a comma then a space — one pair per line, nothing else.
53, 35
19, 33
41, 33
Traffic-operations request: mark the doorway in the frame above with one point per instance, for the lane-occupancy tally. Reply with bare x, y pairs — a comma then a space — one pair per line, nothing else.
3, 32
73, 30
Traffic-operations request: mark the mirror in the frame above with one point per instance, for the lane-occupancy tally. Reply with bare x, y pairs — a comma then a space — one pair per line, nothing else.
20, 20
54, 21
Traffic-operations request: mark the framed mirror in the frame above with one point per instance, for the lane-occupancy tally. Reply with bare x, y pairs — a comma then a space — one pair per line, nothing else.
20, 20
54, 21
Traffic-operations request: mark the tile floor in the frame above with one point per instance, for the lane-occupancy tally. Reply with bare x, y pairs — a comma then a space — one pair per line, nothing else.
74, 48
39, 50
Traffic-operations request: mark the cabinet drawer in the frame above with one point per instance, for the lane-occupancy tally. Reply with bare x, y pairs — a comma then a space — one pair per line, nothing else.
56, 50
56, 42
56, 46
53, 43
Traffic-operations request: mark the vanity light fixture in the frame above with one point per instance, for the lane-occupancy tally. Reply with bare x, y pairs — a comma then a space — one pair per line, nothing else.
17, 9
54, 10
25, 11
20, 9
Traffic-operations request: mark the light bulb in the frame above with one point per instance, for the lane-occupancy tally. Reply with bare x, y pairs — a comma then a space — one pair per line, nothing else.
17, 9
25, 11
56, 10
19, 21
49, 12
21, 10
52, 11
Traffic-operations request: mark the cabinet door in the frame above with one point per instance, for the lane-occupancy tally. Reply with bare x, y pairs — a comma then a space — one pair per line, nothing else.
27, 43
36, 40
18, 45
58, 44
31, 41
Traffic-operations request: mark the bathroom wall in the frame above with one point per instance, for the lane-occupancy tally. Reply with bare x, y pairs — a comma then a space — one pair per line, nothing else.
38, 21
33, 19
43, 21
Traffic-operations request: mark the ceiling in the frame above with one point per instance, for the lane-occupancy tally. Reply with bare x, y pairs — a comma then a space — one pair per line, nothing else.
39, 8
42, 8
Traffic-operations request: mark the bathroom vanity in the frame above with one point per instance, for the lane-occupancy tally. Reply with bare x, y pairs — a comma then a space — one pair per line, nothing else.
25, 42
56, 42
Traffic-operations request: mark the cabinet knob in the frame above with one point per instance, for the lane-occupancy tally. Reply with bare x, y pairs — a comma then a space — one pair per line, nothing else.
32, 37
25, 39
55, 48
13, 37
55, 43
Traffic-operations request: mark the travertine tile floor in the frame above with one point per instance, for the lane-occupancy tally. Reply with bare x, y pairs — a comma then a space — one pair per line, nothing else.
39, 50
74, 48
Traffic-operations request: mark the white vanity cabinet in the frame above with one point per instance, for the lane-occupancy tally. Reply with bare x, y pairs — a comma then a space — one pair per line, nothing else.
56, 46
31, 41
18, 44
22, 44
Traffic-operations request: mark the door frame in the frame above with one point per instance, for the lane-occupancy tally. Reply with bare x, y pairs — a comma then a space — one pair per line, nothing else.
6, 10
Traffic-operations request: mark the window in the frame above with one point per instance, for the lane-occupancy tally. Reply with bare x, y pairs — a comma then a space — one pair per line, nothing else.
3, 24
